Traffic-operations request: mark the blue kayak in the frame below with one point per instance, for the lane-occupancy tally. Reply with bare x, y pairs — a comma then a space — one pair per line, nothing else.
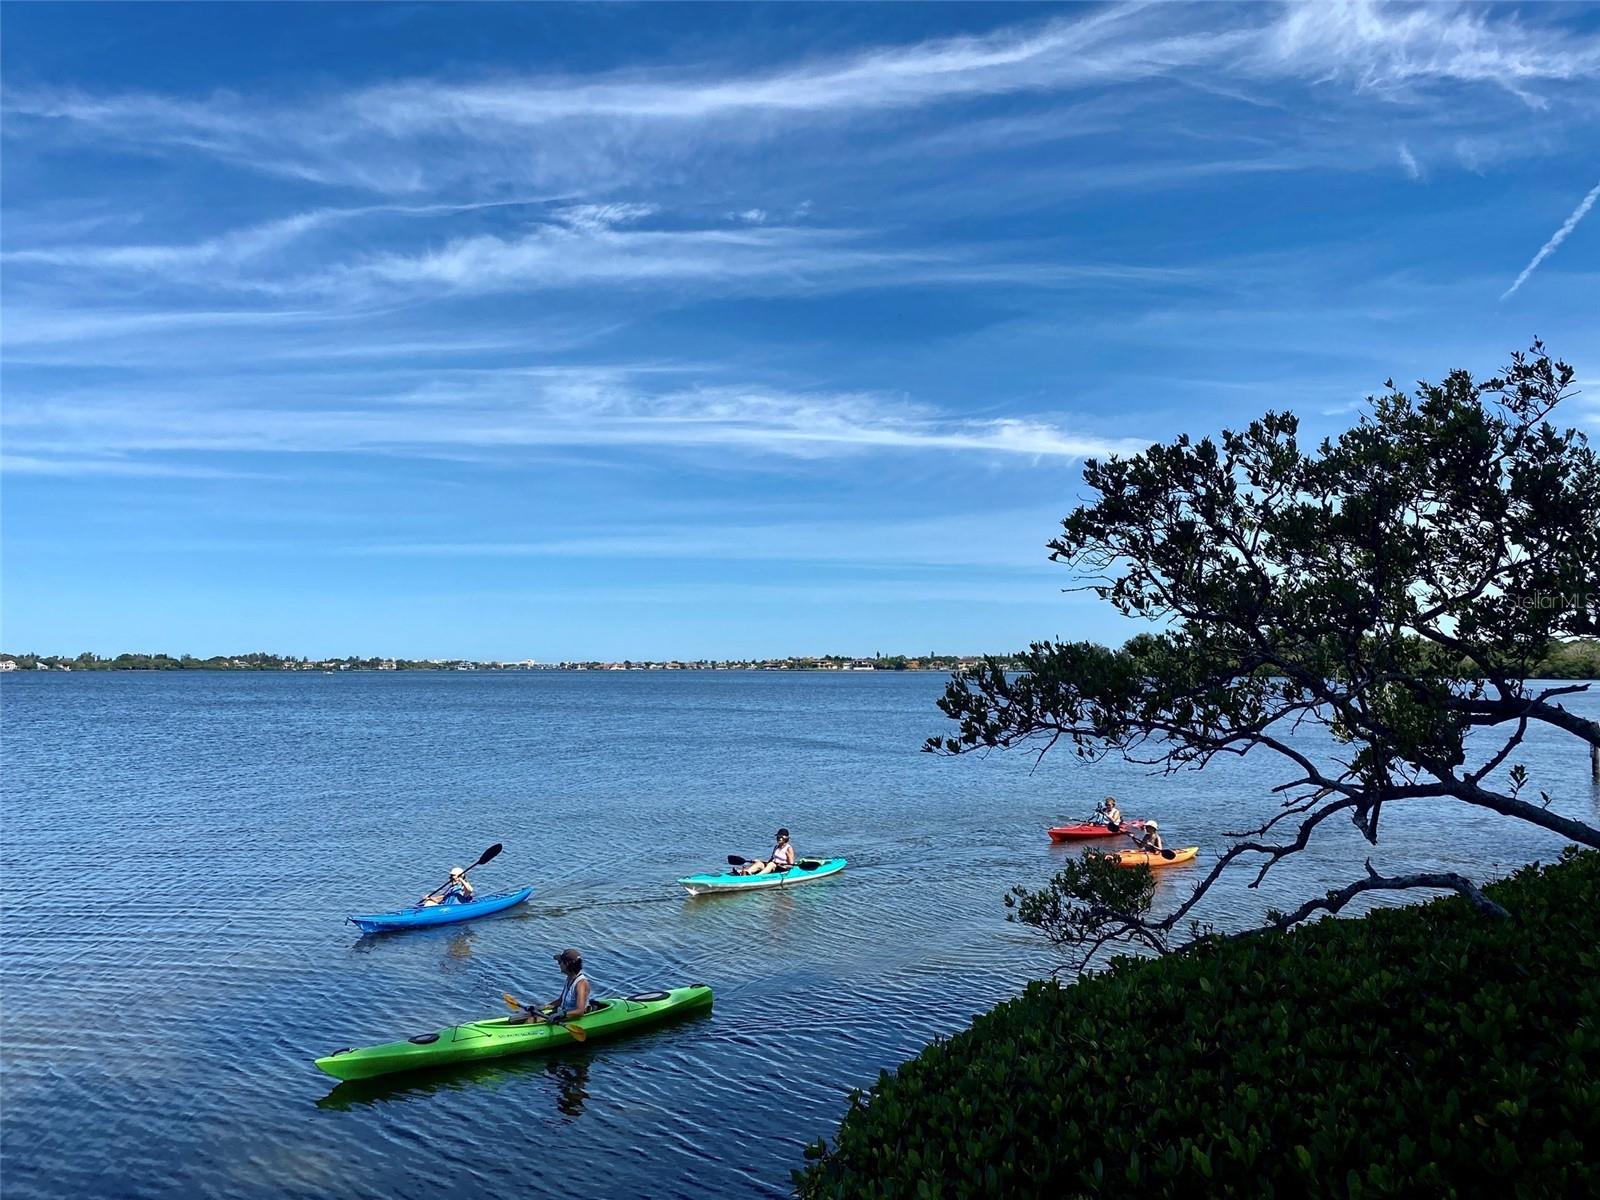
440, 914
804, 872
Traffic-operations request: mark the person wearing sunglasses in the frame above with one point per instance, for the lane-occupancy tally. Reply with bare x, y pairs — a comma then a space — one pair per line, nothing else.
781, 858
457, 891
576, 994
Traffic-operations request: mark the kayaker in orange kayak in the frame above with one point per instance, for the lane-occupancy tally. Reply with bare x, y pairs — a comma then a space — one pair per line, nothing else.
1107, 814
457, 891
1150, 840
781, 858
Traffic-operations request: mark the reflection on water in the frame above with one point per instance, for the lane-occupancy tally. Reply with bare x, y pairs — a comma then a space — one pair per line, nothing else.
567, 1073
573, 1080
457, 949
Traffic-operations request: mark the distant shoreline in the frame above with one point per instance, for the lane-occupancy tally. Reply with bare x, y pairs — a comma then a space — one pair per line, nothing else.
1576, 659
262, 662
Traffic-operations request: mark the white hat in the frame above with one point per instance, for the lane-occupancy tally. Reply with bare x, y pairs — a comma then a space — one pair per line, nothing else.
454, 871
1151, 825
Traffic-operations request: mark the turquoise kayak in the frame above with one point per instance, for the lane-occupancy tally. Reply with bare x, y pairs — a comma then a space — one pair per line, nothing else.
421, 917
804, 871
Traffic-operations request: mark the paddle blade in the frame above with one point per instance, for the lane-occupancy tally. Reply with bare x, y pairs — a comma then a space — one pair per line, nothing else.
578, 1032
512, 1002
489, 854
735, 861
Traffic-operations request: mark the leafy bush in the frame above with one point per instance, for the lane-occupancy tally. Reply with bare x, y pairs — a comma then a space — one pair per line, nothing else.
1420, 1051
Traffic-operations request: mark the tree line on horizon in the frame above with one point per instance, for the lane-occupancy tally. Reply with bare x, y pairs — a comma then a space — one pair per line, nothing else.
264, 661
1575, 658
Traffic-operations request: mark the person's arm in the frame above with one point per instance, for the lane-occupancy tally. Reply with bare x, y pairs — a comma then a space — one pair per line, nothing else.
580, 998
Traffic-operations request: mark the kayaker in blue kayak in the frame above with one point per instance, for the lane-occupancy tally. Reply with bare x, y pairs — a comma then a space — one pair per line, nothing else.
781, 858
574, 999
457, 891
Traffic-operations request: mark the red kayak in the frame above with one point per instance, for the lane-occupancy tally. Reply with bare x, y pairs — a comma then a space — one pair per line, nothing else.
1072, 833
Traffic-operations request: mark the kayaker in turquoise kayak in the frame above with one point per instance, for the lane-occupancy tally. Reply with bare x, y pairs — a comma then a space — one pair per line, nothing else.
457, 891
574, 999
781, 858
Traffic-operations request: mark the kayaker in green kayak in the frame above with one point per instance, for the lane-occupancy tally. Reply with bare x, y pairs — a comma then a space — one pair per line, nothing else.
781, 858
457, 891
574, 999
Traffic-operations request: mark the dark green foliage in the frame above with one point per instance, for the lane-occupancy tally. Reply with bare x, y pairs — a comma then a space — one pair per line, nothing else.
1089, 901
1419, 1051
1578, 658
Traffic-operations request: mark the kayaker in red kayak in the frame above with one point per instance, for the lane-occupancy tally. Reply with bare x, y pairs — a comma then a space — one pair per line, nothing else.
457, 891
1150, 840
1108, 814
781, 858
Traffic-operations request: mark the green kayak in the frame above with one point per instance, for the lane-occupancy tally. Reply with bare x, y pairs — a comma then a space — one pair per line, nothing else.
498, 1037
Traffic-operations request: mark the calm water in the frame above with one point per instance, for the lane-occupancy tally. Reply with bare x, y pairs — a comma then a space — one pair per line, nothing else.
199, 839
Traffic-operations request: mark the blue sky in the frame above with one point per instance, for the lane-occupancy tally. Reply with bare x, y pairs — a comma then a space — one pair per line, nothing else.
656, 331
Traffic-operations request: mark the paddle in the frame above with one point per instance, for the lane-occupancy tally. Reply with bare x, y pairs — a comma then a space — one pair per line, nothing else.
804, 864
482, 858
579, 1034
1169, 855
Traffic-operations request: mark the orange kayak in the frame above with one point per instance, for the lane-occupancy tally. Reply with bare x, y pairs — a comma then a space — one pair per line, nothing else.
1136, 858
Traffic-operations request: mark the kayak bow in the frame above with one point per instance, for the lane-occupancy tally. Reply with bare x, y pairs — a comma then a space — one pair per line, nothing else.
498, 1037
419, 916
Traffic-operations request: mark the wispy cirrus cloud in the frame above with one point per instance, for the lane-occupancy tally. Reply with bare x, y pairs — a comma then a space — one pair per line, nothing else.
237, 247
1010, 538
114, 467
498, 414
1395, 47
573, 246
592, 246
599, 131
34, 326
1408, 160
